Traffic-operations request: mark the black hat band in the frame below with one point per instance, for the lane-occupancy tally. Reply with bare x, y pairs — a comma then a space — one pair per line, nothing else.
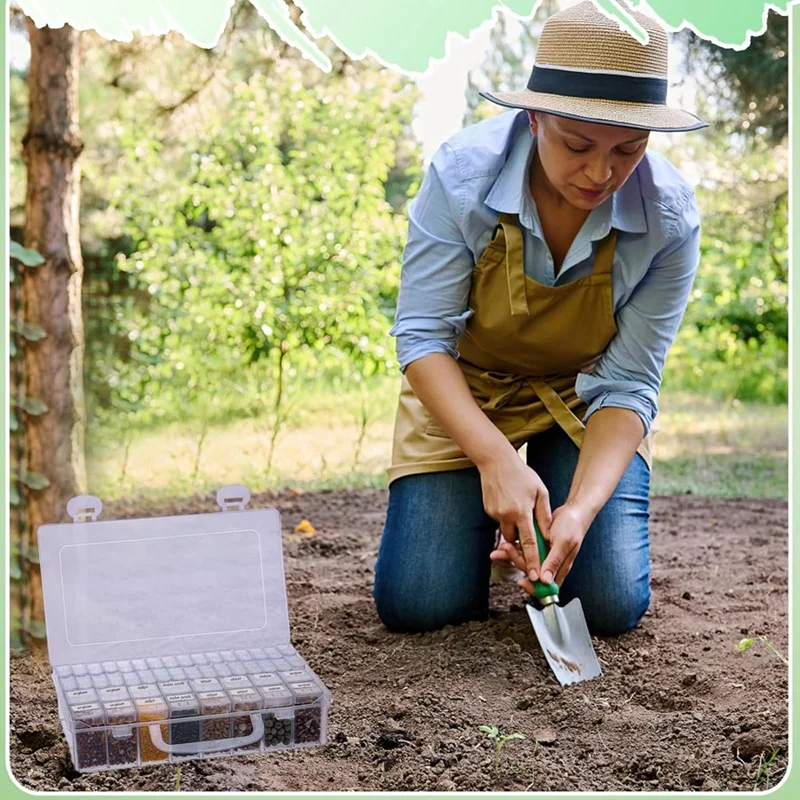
599, 86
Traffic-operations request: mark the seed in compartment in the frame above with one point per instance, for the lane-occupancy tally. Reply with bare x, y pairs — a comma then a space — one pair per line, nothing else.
94, 669
184, 661
84, 681
277, 730
90, 745
69, 684
154, 663
207, 670
144, 690
185, 707
236, 682
215, 703
125, 666
110, 666
64, 671
199, 659
169, 661
277, 706
213, 658
139, 664
286, 650
81, 696
177, 673
132, 678
100, 681
79, 669
153, 709
122, 745
245, 700
222, 670
162, 674
307, 721
206, 685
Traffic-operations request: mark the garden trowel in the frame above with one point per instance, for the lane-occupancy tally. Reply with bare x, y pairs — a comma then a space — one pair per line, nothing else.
562, 630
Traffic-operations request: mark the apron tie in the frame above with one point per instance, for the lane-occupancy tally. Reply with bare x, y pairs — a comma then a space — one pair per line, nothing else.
505, 386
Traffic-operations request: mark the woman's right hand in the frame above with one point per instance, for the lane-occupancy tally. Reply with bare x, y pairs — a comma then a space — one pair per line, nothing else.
513, 494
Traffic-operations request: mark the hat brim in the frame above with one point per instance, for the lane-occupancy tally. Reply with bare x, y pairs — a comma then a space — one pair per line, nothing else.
606, 112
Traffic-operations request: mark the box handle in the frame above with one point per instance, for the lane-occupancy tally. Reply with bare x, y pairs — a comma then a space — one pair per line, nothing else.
84, 508
233, 497
192, 748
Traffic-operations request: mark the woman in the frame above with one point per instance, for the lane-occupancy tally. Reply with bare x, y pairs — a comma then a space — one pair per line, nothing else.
548, 265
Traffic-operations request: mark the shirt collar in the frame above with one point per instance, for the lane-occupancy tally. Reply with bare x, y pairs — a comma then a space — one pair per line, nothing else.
624, 210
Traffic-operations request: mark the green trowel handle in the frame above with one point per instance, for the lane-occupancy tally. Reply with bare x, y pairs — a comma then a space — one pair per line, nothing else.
541, 590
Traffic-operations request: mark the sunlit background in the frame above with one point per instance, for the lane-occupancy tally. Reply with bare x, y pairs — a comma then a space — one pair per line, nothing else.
242, 226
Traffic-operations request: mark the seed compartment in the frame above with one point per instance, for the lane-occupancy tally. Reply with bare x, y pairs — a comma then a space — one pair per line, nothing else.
152, 710
215, 703
90, 743
123, 745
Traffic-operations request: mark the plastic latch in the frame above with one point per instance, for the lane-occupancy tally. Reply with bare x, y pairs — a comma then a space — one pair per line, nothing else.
84, 508
233, 498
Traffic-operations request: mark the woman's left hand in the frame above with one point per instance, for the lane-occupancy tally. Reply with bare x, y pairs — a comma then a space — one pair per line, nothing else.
567, 530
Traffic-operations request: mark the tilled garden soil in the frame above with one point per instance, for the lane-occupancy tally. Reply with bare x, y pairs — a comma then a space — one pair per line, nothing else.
676, 709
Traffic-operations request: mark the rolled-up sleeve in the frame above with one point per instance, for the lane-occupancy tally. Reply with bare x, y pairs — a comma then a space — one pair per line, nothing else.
628, 374
432, 307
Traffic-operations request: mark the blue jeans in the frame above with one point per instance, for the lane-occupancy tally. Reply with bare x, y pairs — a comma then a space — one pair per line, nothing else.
433, 565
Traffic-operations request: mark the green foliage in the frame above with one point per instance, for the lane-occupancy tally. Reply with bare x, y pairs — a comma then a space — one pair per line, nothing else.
751, 84
263, 247
733, 343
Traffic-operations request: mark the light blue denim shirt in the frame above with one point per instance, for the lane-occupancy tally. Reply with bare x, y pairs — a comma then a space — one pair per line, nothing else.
480, 172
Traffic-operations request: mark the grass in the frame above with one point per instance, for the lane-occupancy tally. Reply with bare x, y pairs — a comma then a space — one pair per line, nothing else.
703, 447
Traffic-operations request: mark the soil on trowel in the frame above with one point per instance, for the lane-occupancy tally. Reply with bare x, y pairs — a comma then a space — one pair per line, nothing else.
677, 708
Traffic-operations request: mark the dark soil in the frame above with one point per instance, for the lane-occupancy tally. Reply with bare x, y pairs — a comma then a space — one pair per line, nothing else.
677, 708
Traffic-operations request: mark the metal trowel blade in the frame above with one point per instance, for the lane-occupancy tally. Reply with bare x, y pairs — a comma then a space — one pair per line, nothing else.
564, 637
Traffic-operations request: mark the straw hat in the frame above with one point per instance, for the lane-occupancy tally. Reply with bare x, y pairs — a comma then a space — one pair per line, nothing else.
588, 68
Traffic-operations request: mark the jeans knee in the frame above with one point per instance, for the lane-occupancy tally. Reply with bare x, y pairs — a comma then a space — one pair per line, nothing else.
404, 608
613, 616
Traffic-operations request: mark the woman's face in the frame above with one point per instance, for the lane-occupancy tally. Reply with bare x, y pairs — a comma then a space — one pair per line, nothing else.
586, 162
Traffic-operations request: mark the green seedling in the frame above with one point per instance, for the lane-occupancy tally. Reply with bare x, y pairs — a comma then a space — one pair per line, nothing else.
499, 739
746, 644
762, 775
178, 779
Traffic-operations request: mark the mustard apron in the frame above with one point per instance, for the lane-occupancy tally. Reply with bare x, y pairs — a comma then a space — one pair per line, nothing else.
520, 353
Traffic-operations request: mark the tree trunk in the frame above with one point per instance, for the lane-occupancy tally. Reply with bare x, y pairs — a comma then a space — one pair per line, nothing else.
53, 366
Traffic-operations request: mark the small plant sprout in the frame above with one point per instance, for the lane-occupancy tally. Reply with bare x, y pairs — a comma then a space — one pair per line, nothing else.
499, 739
763, 773
746, 644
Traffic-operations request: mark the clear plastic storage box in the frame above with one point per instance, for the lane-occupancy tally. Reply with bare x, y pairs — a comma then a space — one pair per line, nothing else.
169, 637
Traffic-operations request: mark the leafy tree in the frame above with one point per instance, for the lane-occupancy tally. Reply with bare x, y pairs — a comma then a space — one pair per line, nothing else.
751, 85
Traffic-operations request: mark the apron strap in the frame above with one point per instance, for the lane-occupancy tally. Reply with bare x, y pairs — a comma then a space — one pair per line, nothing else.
559, 411
515, 265
604, 259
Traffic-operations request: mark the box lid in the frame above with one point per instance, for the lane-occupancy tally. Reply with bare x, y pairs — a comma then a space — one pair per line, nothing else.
133, 588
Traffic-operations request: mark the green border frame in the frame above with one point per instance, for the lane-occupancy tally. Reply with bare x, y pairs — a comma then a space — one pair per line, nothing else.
790, 786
